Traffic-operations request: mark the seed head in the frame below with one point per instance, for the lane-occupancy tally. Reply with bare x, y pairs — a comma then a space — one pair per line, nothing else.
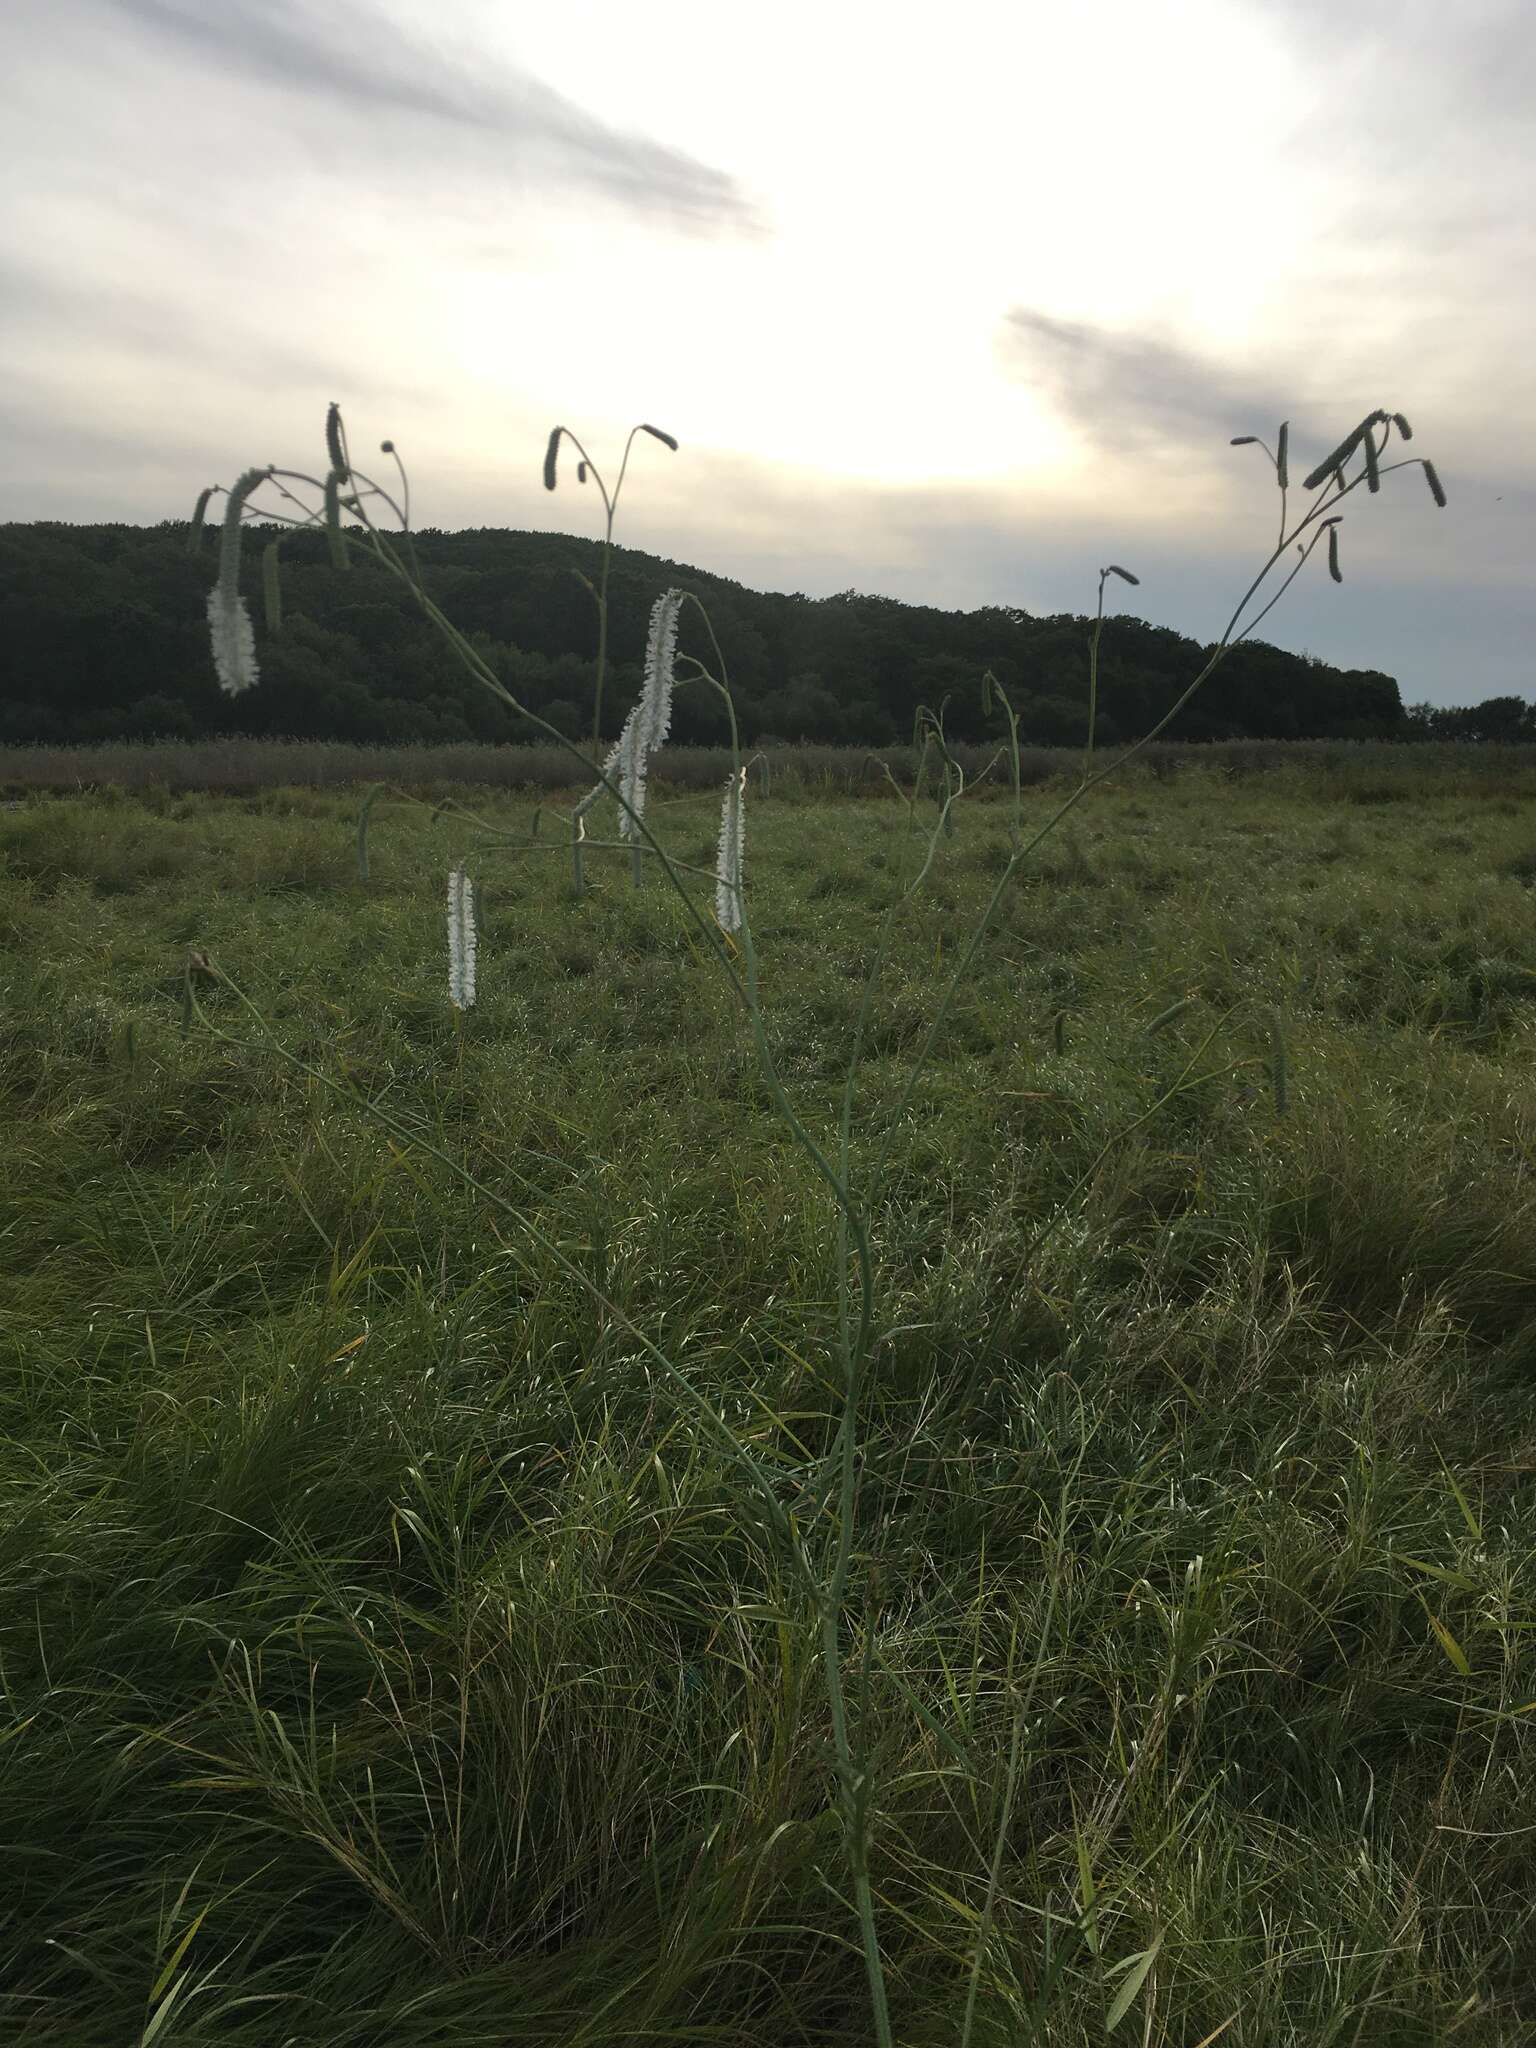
1282, 456
660, 436
335, 533
461, 940
234, 644
334, 447
1333, 555
1372, 463
549, 457
1343, 452
1404, 430
647, 725
1436, 488
1242, 440
199, 514
1125, 575
729, 853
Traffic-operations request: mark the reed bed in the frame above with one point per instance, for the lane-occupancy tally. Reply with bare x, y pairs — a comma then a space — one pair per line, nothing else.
237, 766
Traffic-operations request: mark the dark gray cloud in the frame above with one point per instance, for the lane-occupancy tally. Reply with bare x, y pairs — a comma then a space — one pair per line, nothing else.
360, 64
1135, 392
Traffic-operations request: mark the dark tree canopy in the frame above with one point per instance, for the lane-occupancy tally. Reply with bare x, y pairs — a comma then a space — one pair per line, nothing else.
104, 636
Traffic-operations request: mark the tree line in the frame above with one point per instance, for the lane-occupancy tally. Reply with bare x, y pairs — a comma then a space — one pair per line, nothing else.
104, 634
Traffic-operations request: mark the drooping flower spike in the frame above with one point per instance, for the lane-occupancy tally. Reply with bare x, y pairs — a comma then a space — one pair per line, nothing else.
647, 726
234, 644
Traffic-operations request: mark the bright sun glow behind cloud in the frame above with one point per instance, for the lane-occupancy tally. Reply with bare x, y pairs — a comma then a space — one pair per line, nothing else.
916, 177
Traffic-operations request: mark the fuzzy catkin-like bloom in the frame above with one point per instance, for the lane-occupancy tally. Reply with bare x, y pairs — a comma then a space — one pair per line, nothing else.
730, 852
461, 940
234, 644
647, 725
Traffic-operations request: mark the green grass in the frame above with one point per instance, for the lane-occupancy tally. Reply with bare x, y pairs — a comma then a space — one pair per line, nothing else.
387, 1658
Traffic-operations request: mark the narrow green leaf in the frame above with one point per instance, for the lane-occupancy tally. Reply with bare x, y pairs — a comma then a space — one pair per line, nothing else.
1126, 1996
1473, 1524
177, 1953
1446, 1640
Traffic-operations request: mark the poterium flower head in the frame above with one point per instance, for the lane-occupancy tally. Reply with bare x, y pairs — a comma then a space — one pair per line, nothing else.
647, 726
335, 446
234, 644
730, 852
461, 940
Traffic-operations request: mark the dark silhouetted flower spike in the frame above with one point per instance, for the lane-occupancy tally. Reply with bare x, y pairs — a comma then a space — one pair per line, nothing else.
335, 533
333, 447
386, 447
581, 472
1333, 555
1243, 440
199, 515
1125, 575
660, 436
1436, 488
1342, 453
1372, 464
1402, 426
1282, 456
549, 457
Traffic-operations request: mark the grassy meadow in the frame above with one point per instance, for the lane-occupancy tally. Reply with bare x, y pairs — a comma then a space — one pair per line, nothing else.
389, 1658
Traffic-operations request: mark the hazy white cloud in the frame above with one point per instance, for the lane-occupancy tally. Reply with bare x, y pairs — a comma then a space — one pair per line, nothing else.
956, 313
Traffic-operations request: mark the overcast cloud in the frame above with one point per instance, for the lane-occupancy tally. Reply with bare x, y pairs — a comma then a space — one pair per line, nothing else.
954, 309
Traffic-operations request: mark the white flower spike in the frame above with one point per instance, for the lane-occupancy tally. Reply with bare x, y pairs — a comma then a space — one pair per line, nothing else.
461, 940
728, 858
647, 725
234, 644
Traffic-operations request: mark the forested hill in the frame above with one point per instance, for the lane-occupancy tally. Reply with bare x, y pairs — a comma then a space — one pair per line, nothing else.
103, 635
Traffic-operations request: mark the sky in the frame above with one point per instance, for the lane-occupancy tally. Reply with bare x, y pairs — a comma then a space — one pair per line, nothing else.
953, 304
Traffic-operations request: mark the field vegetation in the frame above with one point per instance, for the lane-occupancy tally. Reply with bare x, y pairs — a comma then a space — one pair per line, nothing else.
1361, 771
389, 1655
